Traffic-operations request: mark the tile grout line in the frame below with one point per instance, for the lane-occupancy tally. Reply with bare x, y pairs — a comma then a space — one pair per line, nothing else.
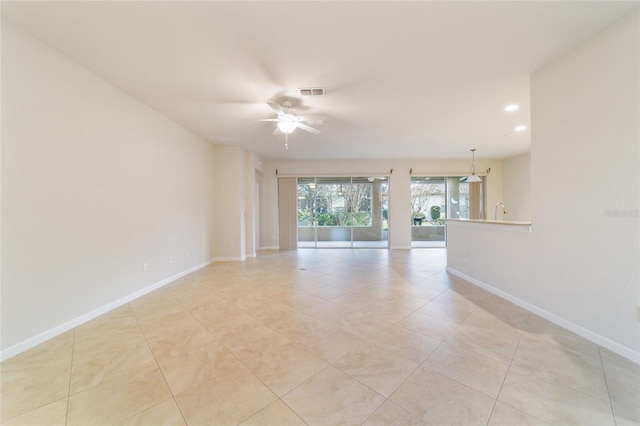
507, 374
73, 350
159, 368
604, 375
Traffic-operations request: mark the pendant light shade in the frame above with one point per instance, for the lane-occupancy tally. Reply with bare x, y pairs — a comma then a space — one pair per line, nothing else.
473, 177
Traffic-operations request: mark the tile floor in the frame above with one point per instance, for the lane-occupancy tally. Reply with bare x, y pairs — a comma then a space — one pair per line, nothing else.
320, 337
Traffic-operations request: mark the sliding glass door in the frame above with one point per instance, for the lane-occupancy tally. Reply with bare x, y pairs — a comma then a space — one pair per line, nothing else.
434, 199
343, 212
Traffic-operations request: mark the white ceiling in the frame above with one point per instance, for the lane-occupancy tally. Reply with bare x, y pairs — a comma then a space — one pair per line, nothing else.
402, 79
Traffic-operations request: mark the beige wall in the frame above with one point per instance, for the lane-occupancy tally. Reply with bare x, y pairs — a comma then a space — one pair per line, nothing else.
579, 266
94, 185
230, 191
517, 187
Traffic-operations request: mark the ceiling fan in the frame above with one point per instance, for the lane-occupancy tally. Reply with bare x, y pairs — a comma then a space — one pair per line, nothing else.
288, 121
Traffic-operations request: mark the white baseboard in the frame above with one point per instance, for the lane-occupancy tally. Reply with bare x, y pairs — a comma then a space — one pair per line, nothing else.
57, 330
580, 331
400, 247
270, 248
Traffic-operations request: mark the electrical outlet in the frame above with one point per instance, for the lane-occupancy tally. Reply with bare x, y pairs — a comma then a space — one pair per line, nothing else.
145, 267
170, 259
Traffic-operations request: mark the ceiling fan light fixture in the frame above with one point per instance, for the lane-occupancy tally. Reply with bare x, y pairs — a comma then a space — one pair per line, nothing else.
286, 126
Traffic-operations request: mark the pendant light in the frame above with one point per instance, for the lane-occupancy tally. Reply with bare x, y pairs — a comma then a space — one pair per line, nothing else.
473, 177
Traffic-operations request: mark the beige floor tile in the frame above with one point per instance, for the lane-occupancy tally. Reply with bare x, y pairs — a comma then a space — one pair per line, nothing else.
285, 367
213, 312
254, 342
166, 414
502, 308
452, 312
272, 311
469, 291
156, 303
429, 326
170, 323
505, 415
326, 292
297, 326
120, 359
198, 366
391, 414
238, 322
408, 344
51, 355
506, 322
432, 284
330, 344
420, 292
191, 302
53, 414
626, 415
331, 398
623, 380
299, 300
379, 369
228, 399
442, 277
496, 344
116, 400
561, 367
88, 343
355, 301
362, 321
117, 318
23, 394
171, 345
550, 336
480, 373
388, 311
329, 312
276, 414
553, 402
437, 399
293, 317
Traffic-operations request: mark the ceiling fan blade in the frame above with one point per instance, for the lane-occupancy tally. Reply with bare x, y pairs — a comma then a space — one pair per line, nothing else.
267, 119
308, 128
317, 118
274, 106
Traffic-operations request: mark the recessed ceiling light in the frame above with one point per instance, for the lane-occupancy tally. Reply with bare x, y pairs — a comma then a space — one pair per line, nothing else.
511, 108
520, 128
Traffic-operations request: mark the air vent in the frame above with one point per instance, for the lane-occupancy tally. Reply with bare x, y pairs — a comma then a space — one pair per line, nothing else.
312, 91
